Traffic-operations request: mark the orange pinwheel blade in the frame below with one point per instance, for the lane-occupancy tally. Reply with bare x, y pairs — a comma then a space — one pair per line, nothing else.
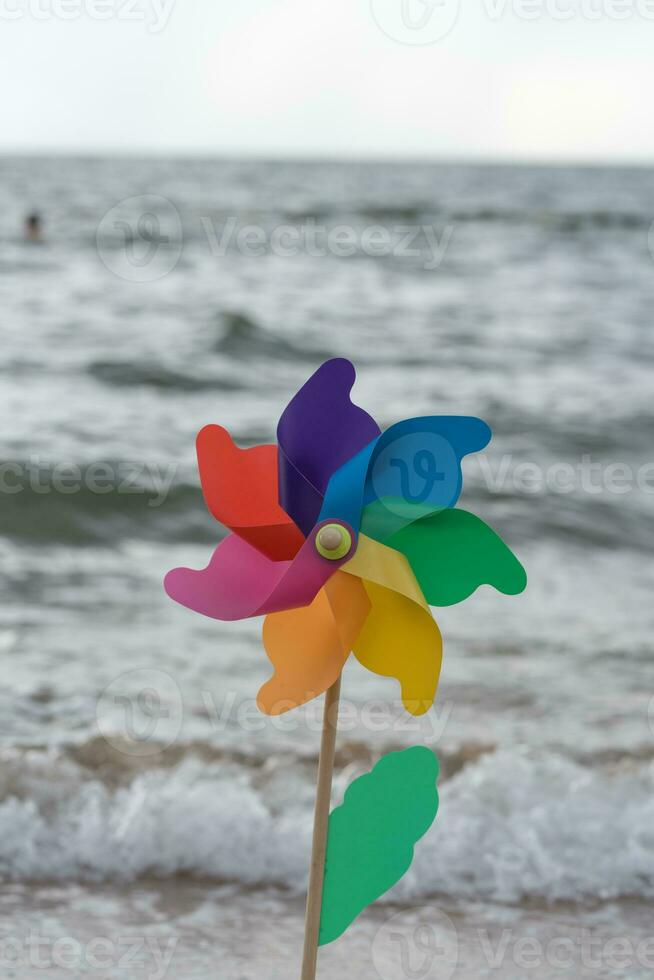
309, 646
241, 491
400, 638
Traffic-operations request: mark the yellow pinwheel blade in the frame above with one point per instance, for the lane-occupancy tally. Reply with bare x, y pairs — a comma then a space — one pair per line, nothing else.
400, 637
376, 562
309, 646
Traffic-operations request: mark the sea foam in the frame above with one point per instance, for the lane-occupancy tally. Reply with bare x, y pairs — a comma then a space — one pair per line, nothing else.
512, 825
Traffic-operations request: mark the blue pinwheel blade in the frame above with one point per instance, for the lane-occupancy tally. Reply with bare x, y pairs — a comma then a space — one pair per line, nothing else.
411, 470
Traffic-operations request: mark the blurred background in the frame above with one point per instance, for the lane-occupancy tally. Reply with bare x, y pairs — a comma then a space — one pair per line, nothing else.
197, 207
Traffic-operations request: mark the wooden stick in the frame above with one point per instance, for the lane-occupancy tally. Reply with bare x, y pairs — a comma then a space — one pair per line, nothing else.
320, 826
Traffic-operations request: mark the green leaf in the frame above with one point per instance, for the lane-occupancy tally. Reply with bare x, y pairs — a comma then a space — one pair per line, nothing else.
453, 552
371, 836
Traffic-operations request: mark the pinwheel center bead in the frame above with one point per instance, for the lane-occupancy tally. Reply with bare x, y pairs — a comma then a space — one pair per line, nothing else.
333, 541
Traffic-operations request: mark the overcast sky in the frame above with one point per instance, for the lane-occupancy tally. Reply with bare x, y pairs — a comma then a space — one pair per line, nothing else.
543, 79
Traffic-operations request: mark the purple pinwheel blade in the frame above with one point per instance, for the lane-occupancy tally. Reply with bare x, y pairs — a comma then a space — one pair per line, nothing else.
318, 432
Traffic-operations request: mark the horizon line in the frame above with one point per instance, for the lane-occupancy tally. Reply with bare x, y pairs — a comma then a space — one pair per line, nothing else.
274, 156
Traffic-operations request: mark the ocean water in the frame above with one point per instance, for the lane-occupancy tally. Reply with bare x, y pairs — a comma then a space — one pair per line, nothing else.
139, 787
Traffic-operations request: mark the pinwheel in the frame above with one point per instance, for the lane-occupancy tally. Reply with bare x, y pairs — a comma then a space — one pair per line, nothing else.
343, 536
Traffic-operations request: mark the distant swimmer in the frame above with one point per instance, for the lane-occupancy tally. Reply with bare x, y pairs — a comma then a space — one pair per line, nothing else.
34, 227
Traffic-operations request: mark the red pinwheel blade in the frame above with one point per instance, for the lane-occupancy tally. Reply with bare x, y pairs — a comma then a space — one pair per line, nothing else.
240, 490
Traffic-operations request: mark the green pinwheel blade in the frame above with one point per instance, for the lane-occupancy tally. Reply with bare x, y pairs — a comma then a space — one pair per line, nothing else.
383, 518
371, 836
453, 552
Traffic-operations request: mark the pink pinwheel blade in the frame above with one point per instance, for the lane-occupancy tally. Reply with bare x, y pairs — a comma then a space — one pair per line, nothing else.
240, 582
